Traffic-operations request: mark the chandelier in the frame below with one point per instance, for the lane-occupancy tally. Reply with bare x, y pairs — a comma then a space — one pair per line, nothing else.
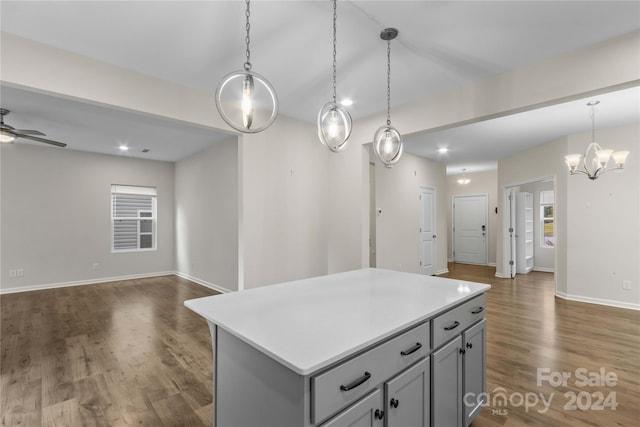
463, 180
596, 161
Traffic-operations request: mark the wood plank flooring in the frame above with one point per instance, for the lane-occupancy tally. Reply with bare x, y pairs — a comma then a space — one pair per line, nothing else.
529, 328
129, 353
117, 354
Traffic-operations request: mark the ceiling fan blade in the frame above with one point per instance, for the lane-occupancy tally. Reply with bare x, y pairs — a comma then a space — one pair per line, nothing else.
30, 132
35, 138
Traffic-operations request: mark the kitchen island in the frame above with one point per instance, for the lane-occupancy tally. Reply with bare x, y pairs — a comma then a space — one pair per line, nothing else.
349, 348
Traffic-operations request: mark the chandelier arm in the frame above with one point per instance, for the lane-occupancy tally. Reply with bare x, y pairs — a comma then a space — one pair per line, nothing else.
575, 171
605, 170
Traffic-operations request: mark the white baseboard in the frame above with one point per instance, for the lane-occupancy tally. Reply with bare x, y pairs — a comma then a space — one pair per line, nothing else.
492, 264
203, 283
83, 282
600, 301
443, 271
500, 275
544, 269
450, 260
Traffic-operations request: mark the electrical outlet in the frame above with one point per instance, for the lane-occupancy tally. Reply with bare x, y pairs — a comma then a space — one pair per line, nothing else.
12, 273
19, 272
95, 266
626, 285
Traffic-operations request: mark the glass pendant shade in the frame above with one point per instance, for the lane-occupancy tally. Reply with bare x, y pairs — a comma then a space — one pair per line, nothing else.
247, 101
387, 145
619, 157
334, 126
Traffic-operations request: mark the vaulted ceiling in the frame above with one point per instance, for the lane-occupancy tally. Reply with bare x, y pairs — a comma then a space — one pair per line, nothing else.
441, 45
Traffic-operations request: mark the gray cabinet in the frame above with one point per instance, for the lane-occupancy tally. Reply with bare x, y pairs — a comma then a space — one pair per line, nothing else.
447, 385
364, 413
474, 368
458, 367
407, 397
406, 402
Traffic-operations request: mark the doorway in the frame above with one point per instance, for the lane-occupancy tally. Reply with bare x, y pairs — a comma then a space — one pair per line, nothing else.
427, 231
470, 229
524, 242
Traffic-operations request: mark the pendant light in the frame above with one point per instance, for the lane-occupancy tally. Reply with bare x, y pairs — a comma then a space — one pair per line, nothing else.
595, 161
245, 99
463, 180
387, 142
334, 121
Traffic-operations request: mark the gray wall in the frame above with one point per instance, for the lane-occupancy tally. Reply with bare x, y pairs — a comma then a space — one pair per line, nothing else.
206, 209
285, 202
397, 228
56, 216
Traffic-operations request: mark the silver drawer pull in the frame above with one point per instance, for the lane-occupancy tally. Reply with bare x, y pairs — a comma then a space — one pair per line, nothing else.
477, 310
452, 326
413, 349
356, 383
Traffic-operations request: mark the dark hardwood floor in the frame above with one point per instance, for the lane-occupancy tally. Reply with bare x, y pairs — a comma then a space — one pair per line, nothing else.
117, 354
129, 353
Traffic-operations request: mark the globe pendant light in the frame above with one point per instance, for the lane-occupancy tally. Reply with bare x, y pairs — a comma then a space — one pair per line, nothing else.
334, 121
387, 142
245, 99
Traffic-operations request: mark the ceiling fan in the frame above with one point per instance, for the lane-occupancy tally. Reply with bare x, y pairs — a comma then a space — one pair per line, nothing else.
8, 133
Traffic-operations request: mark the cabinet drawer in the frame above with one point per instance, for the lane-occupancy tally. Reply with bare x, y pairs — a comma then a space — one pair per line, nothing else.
456, 320
346, 382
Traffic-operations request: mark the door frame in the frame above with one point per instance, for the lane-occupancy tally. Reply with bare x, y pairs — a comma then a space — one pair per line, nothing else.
486, 221
434, 224
505, 223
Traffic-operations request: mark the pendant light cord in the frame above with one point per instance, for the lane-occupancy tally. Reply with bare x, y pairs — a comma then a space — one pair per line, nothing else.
388, 82
593, 123
247, 39
335, 18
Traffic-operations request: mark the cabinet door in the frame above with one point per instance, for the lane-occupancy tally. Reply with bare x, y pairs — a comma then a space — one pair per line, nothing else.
367, 412
447, 385
475, 363
407, 397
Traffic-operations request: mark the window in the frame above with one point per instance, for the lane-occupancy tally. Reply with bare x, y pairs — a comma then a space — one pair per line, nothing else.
547, 227
133, 218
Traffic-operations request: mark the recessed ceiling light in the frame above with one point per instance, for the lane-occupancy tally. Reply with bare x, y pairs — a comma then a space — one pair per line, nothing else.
443, 150
123, 148
347, 102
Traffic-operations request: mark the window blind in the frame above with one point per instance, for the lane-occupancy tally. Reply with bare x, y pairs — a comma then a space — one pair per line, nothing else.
133, 216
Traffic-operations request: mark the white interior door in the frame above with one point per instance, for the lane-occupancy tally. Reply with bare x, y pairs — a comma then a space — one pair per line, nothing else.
512, 232
470, 229
427, 231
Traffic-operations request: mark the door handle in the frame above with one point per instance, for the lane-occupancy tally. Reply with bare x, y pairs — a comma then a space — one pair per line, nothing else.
434, 236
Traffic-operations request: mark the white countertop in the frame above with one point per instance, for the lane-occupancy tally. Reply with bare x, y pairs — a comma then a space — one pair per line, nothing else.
309, 324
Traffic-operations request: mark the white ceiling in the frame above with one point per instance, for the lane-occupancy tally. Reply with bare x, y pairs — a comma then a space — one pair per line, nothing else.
442, 44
